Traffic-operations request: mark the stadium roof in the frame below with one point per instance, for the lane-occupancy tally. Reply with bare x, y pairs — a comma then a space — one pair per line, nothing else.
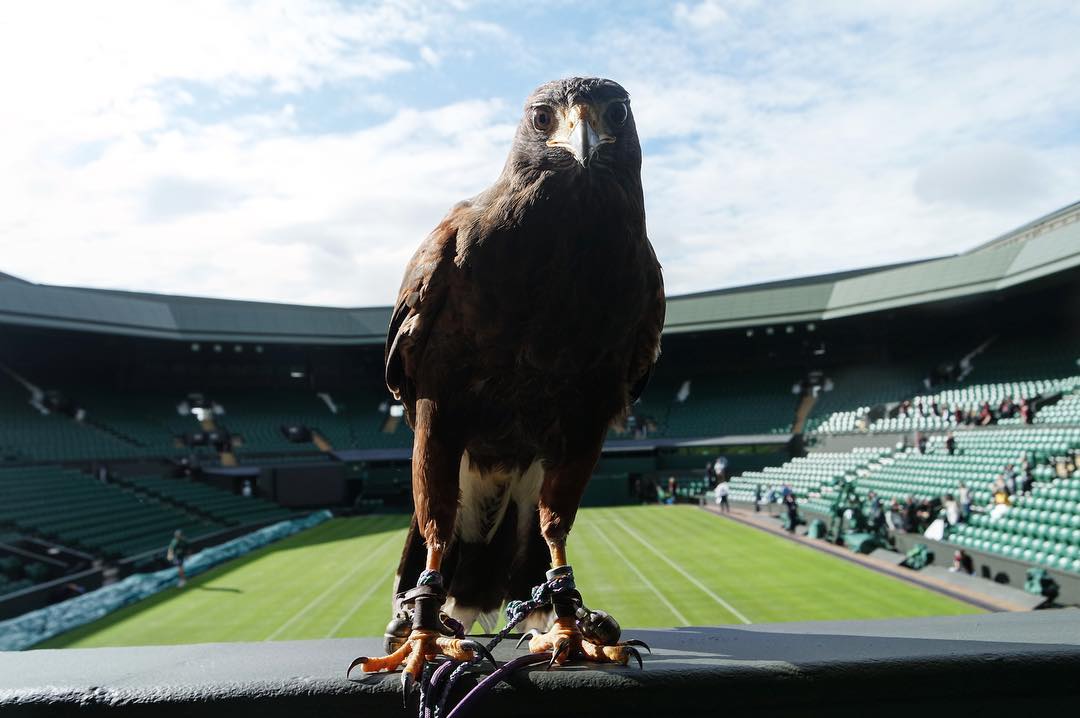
1046, 246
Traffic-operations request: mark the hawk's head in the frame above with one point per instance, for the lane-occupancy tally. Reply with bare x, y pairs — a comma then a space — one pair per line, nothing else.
580, 125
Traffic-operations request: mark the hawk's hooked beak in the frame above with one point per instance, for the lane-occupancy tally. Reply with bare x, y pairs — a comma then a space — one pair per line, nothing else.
584, 141
577, 133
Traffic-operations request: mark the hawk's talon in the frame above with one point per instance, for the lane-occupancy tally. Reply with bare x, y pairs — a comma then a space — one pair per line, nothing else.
563, 646
420, 648
407, 682
637, 642
527, 636
356, 662
567, 643
480, 649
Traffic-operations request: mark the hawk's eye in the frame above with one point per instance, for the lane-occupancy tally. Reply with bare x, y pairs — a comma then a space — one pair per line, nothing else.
543, 118
617, 113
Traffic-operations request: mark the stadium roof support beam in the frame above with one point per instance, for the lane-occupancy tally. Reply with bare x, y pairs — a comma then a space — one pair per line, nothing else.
1018, 663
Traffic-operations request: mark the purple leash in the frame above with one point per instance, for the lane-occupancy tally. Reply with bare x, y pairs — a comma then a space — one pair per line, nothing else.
493, 679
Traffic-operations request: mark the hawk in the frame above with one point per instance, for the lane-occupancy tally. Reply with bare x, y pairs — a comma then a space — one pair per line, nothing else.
527, 323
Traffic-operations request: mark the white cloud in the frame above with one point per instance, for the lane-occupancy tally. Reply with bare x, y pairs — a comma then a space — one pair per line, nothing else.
430, 56
319, 219
780, 140
850, 137
987, 177
701, 15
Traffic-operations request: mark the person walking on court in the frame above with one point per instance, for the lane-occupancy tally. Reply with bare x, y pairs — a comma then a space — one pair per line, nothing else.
792, 506
176, 554
722, 493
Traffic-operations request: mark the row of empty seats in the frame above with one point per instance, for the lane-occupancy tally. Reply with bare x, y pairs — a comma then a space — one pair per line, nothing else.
80, 511
18, 573
805, 475
221, 506
1065, 411
108, 519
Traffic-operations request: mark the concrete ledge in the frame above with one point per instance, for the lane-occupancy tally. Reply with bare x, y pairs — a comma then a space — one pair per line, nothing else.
996, 663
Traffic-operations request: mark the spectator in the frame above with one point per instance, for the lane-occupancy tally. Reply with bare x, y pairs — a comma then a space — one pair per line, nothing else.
178, 549
792, 506
877, 513
757, 498
998, 485
986, 416
952, 510
911, 519
672, 489
720, 468
964, 497
1010, 480
950, 443
894, 517
1026, 414
962, 563
1000, 498
1027, 481
921, 441
722, 492
925, 513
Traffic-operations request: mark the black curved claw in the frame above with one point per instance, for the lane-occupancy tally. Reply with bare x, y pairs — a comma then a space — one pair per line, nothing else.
561, 647
631, 651
636, 642
528, 635
407, 682
356, 662
481, 650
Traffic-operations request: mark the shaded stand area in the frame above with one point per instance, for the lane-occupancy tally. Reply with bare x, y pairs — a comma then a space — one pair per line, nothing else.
994, 663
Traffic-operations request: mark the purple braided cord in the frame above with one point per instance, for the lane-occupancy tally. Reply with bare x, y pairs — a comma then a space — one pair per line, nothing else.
493, 679
427, 709
516, 611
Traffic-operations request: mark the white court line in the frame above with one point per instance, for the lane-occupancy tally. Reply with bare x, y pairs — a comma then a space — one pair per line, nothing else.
360, 602
641, 577
315, 601
683, 571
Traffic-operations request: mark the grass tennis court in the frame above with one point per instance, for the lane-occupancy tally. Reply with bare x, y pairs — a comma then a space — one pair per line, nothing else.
649, 566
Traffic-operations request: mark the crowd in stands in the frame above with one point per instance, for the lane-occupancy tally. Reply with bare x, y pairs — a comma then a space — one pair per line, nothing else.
914, 515
982, 415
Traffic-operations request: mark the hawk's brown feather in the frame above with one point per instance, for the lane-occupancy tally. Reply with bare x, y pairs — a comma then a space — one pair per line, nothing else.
526, 323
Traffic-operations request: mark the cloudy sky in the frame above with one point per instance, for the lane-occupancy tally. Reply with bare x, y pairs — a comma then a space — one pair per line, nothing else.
299, 151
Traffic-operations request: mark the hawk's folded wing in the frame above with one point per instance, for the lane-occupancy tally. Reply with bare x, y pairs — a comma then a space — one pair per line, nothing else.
647, 342
421, 297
